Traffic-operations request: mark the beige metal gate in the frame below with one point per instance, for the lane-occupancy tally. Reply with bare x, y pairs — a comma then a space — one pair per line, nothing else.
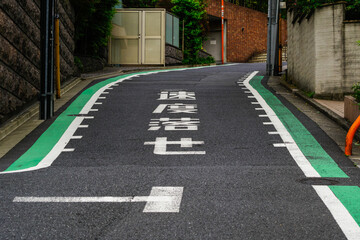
138, 37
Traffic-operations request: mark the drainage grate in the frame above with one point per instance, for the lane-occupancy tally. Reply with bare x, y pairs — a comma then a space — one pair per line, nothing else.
318, 181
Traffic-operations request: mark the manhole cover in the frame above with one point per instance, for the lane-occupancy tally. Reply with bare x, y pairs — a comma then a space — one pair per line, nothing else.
318, 181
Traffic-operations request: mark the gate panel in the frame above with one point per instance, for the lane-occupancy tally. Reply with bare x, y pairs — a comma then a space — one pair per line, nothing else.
138, 37
153, 37
125, 41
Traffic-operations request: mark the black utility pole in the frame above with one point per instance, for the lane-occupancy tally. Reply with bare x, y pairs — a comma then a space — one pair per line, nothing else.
272, 65
47, 59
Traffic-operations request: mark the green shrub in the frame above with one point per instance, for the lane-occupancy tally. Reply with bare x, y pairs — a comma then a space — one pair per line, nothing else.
356, 92
192, 12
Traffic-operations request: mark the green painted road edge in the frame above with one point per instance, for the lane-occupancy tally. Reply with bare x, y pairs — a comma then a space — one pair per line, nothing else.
312, 150
349, 196
36, 153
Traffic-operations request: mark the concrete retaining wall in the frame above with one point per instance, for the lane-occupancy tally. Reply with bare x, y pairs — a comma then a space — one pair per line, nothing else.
352, 53
173, 55
323, 56
20, 52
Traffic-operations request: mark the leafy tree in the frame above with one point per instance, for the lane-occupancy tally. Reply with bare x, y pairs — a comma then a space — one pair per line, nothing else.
139, 3
192, 12
93, 25
259, 5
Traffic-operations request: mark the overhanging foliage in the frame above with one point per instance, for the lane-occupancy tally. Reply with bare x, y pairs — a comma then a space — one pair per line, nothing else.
192, 12
92, 25
307, 6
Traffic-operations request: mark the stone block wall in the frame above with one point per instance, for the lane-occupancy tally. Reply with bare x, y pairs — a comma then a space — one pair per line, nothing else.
323, 56
173, 55
20, 52
243, 44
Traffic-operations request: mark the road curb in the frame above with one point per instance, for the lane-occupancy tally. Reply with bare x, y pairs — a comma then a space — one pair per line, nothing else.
30, 112
326, 111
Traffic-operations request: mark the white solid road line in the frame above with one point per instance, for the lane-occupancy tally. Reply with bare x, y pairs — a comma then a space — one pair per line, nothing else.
342, 216
161, 200
294, 150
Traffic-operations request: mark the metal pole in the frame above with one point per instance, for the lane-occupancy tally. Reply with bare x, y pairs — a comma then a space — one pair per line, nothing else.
222, 31
280, 45
268, 57
46, 52
272, 67
57, 57
183, 38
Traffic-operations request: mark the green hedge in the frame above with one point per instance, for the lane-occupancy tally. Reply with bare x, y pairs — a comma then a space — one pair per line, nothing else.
307, 6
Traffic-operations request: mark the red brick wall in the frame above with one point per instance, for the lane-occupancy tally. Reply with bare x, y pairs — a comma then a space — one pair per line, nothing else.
283, 32
242, 45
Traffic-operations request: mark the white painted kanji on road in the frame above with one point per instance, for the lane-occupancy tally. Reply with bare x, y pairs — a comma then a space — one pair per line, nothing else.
177, 95
161, 143
175, 124
177, 108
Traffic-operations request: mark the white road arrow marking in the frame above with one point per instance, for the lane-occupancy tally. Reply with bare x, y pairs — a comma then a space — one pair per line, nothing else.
161, 199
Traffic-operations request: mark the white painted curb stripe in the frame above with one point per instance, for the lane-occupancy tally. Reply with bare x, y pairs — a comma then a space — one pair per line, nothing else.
341, 215
291, 145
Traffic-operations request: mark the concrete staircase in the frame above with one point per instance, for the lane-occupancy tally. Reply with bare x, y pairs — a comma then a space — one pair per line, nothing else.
258, 58
261, 57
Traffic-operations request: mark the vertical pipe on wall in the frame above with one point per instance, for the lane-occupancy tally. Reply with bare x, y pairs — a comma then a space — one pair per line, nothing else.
222, 31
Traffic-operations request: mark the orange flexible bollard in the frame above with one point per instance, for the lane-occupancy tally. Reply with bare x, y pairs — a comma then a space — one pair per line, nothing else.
350, 136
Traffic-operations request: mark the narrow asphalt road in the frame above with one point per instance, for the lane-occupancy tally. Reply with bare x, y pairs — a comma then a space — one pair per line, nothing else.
206, 153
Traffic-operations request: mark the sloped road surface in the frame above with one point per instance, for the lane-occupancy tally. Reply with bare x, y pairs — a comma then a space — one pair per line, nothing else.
206, 153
